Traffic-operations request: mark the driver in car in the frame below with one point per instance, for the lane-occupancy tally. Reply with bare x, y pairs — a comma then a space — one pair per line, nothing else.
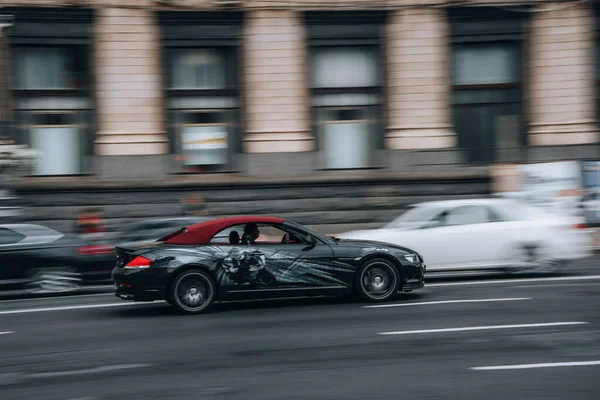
251, 233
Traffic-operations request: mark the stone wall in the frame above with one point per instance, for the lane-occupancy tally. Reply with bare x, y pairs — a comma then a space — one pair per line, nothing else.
327, 206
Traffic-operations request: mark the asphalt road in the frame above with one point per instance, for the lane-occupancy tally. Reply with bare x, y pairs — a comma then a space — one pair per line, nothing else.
509, 338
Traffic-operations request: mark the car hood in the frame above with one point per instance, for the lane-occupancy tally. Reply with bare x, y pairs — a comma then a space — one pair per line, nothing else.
369, 234
370, 243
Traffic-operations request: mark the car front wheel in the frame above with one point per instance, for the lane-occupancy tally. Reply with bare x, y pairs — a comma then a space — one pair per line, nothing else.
193, 292
377, 280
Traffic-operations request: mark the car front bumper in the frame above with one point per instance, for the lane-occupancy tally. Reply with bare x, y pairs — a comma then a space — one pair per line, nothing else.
412, 284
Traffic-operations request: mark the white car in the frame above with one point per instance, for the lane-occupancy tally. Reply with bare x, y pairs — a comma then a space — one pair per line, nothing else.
481, 234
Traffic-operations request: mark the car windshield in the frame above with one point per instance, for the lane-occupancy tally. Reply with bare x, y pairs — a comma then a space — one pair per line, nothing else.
415, 216
305, 229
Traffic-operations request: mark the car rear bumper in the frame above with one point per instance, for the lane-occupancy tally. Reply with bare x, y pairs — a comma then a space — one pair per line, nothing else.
144, 295
575, 245
141, 285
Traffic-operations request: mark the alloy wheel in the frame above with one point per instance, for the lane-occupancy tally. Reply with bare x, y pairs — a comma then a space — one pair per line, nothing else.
378, 280
53, 280
193, 292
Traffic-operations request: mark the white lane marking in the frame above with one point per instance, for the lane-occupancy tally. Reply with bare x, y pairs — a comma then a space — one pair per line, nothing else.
79, 307
447, 302
558, 285
6, 333
481, 328
88, 371
517, 280
19, 377
540, 365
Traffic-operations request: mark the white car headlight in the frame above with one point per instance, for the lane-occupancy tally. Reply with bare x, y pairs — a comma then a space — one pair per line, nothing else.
412, 258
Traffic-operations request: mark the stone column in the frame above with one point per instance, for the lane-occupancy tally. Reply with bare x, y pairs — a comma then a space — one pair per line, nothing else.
562, 76
419, 113
129, 88
277, 107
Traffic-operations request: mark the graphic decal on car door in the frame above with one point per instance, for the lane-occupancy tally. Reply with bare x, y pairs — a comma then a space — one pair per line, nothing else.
249, 265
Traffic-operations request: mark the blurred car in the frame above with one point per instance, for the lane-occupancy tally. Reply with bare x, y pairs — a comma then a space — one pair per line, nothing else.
150, 230
199, 264
42, 260
98, 252
482, 234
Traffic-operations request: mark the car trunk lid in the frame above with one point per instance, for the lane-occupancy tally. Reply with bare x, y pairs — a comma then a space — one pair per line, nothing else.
129, 252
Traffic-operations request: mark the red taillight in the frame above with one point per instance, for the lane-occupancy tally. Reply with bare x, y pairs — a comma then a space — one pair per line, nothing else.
138, 262
579, 226
94, 250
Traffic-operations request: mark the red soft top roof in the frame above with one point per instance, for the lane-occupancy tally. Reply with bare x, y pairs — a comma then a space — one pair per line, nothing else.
202, 232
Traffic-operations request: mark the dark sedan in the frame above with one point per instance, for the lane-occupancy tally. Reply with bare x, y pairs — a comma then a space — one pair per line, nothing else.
42, 260
220, 260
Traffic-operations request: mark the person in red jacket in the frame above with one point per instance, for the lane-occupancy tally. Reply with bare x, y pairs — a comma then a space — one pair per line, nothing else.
90, 221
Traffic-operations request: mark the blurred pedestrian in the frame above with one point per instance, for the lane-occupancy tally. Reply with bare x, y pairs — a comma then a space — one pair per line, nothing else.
90, 221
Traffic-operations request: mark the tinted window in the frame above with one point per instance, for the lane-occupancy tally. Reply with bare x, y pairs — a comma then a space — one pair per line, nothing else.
496, 215
8, 236
467, 215
416, 216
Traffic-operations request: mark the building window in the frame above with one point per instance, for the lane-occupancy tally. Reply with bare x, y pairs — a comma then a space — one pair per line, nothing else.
491, 64
202, 89
43, 68
486, 77
57, 137
199, 69
52, 75
344, 67
205, 138
346, 79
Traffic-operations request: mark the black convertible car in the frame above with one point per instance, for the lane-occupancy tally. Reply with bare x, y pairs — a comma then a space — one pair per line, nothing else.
221, 260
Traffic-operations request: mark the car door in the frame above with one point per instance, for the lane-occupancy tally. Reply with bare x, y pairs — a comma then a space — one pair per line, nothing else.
297, 259
459, 238
283, 260
305, 265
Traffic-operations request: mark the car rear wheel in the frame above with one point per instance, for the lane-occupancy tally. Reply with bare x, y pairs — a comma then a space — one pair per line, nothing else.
52, 280
532, 257
193, 292
377, 280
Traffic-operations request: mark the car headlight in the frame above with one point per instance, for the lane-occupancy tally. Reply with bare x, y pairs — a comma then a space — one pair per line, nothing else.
412, 258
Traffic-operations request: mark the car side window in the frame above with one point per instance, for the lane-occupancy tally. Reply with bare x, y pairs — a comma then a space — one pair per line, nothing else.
467, 215
496, 215
8, 236
268, 235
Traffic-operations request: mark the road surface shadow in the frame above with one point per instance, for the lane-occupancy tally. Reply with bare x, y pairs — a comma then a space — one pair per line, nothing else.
164, 309
432, 278
21, 294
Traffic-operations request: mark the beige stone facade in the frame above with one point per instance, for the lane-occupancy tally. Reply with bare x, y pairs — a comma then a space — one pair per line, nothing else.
275, 83
276, 114
562, 76
418, 81
129, 83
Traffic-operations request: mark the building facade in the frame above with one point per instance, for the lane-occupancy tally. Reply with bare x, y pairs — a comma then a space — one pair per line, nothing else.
204, 93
